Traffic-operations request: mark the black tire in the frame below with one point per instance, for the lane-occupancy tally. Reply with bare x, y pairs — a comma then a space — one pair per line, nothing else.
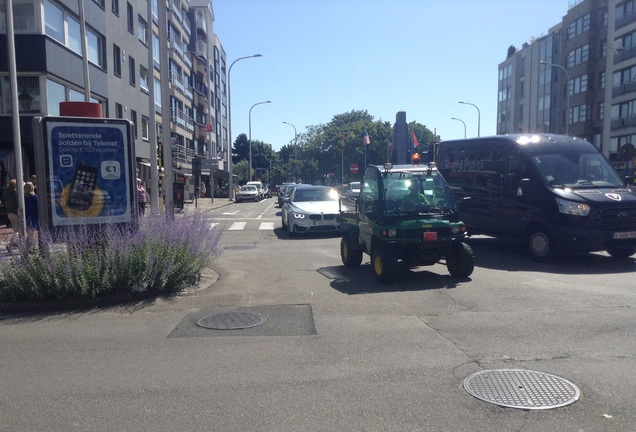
461, 260
350, 252
540, 245
621, 253
384, 264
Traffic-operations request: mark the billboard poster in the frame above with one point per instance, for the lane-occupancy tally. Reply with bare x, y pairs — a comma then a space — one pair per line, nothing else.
90, 171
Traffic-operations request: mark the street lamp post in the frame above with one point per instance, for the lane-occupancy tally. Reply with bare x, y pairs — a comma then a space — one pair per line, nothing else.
250, 137
453, 118
229, 117
295, 148
567, 94
478, 116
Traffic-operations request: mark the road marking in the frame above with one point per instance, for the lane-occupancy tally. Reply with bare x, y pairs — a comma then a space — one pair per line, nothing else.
237, 226
212, 225
231, 213
266, 226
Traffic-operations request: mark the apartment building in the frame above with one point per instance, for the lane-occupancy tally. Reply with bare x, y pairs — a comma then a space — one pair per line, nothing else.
133, 62
578, 79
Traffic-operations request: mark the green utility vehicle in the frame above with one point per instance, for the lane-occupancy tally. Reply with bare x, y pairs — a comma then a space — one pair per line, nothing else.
404, 217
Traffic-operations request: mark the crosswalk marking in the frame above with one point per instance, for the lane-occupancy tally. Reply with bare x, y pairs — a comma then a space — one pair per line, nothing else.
237, 226
243, 226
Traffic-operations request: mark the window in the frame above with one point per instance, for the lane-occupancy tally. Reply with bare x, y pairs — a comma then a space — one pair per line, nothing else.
157, 92
119, 110
55, 93
579, 26
145, 125
130, 17
116, 61
75, 96
578, 56
142, 29
62, 27
132, 71
578, 85
155, 50
115, 7
95, 48
101, 3
23, 16
143, 78
133, 119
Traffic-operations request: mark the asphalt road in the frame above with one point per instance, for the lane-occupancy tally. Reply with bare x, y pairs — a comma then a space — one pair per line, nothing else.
337, 351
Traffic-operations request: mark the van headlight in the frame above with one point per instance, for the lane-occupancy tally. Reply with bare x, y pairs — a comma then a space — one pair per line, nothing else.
572, 208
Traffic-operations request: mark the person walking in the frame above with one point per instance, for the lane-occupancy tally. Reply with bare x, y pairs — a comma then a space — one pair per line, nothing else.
142, 197
31, 216
10, 200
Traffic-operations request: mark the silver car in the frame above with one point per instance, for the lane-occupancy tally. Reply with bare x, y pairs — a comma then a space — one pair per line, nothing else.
311, 209
247, 193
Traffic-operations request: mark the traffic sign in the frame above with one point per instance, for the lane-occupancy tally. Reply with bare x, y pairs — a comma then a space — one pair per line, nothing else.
353, 168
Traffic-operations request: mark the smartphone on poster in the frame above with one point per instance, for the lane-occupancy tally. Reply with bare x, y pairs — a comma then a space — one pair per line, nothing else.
82, 188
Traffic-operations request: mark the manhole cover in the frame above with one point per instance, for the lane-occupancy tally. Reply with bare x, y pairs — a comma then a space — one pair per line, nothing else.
521, 389
231, 320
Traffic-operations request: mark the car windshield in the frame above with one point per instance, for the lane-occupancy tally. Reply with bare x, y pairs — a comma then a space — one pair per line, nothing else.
248, 188
427, 192
577, 170
301, 195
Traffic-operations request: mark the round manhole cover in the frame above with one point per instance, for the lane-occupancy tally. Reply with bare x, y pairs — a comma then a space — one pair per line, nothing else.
231, 321
521, 389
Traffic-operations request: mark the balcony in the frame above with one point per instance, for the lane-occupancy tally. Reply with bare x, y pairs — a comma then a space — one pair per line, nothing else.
625, 19
182, 156
180, 118
201, 22
624, 88
626, 54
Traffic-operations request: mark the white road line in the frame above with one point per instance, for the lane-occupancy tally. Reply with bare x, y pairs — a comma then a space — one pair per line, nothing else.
213, 224
266, 226
237, 226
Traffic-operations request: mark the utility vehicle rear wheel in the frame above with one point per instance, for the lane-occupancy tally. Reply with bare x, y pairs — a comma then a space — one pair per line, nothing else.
350, 251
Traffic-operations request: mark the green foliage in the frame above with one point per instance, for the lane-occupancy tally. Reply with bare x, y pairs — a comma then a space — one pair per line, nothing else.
163, 256
324, 149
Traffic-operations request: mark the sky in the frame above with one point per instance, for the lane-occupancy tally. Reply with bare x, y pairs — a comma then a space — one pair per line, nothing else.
321, 58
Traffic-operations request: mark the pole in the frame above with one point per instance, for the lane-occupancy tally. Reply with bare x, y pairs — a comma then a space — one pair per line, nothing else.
15, 116
453, 118
478, 116
295, 149
567, 94
229, 117
250, 138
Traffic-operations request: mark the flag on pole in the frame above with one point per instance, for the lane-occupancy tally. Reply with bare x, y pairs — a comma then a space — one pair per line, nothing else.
365, 139
416, 143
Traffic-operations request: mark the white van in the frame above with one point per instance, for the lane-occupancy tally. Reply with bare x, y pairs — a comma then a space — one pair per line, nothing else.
259, 186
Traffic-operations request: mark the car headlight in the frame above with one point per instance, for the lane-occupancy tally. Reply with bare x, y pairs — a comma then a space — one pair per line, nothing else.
298, 215
572, 208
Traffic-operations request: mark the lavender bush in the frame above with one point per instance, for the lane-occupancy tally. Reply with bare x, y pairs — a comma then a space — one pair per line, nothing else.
159, 256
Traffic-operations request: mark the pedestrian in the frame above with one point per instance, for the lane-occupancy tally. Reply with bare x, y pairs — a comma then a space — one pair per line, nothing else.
34, 179
31, 216
142, 197
10, 200
202, 190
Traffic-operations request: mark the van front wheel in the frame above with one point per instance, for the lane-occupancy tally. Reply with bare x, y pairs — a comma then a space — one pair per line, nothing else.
621, 253
540, 245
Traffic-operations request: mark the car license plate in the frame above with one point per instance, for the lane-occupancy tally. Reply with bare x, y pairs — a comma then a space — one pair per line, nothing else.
430, 235
624, 235
321, 223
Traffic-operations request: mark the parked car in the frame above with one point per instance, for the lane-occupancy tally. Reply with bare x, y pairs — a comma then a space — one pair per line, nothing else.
311, 209
247, 193
353, 190
259, 186
283, 192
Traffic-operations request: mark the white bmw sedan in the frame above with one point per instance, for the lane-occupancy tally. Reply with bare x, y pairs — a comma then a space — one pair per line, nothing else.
311, 209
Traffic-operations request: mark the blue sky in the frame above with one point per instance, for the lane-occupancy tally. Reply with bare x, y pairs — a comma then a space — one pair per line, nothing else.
327, 57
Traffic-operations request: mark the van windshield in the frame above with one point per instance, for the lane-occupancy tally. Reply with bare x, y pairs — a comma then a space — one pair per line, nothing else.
577, 170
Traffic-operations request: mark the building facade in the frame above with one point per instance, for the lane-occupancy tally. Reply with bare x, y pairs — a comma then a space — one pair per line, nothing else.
579, 79
133, 62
